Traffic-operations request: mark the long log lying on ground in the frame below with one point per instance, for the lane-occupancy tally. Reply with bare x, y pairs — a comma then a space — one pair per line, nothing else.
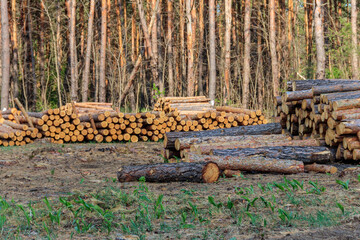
264, 129
304, 154
207, 172
253, 143
184, 143
258, 164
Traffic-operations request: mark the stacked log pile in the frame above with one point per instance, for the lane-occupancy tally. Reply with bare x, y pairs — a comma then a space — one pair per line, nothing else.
259, 148
183, 104
324, 109
18, 128
79, 122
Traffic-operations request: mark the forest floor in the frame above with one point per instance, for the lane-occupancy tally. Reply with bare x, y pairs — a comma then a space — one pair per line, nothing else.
68, 191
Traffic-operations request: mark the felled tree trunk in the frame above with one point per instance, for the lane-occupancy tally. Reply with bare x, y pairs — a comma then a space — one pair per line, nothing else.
258, 164
206, 172
206, 148
304, 154
264, 129
184, 143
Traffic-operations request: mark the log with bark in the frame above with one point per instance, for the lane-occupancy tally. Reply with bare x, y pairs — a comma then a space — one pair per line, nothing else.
320, 168
257, 164
264, 129
252, 143
305, 154
207, 172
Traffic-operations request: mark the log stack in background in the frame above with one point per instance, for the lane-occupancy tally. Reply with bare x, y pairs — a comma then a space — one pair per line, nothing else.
89, 121
324, 109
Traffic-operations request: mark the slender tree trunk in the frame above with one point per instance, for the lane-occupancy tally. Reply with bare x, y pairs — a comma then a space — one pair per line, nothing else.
119, 13
41, 53
201, 47
227, 69
290, 26
170, 48
319, 39
72, 43
190, 49
182, 52
272, 40
260, 80
86, 74
212, 49
32, 55
102, 82
15, 75
247, 46
354, 51
57, 51
5, 40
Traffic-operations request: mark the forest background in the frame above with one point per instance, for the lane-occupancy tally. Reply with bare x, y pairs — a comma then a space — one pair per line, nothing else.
237, 52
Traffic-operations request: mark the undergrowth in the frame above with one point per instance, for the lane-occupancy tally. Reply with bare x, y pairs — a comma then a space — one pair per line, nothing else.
112, 211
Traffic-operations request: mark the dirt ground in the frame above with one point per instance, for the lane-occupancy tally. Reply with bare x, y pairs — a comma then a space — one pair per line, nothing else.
42, 169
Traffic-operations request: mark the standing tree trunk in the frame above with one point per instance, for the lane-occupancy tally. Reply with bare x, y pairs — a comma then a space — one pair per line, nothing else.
15, 75
170, 48
227, 69
247, 46
212, 57
73, 63
190, 49
85, 81
354, 54
102, 82
201, 47
5, 55
272, 40
319, 39
41, 53
182, 46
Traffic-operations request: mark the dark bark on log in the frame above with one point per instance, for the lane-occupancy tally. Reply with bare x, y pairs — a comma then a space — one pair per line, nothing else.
258, 164
183, 143
264, 129
298, 95
305, 154
207, 172
336, 88
298, 85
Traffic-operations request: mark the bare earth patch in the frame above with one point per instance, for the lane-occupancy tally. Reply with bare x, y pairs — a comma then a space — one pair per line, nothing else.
248, 207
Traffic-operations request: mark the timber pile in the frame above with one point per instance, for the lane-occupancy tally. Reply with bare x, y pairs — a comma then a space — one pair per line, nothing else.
89, 121
259, 148
183, 104
324, 109
18, 128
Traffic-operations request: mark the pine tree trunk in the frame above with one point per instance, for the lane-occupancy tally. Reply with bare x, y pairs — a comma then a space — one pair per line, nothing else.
41, 57
201, 47
72, 40
190, 49
102, 82
247, 46
86, 74
227, 69
272, 40
212, 49
354, 50
5, 40
170, 47
15, 74
319, 39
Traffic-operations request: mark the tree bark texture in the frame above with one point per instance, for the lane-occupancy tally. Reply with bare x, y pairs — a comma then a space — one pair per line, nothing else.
5, 58
354, 41
206, 172
273, 53
319, 39
304, 154
258, 164
72, 47
264, 129
247, 50
102, 79
212, 54
86, 74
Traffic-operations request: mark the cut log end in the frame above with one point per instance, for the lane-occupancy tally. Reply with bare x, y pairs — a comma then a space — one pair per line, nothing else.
210, 173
